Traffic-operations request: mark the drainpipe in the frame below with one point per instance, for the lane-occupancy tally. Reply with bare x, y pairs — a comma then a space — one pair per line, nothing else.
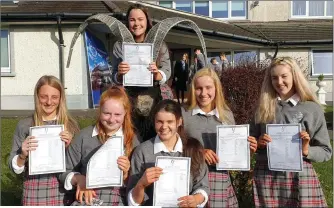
276, 51
61, 52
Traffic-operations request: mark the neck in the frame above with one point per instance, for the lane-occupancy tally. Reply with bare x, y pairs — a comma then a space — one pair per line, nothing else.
110, 133
139, 39
49, 117
287, 96
170, 143
207, 108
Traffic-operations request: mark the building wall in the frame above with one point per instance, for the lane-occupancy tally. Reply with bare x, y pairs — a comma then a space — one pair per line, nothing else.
269, 11
35, 53
303, 58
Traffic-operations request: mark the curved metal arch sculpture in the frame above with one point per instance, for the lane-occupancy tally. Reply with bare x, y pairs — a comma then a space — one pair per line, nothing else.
116, 27
155, 36
159, 31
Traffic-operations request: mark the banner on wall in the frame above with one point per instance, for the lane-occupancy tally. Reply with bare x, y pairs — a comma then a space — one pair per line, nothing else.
99, 67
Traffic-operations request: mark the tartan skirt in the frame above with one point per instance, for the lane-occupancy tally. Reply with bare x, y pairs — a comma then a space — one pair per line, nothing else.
287, 189
45, 190
110, 196
221, 190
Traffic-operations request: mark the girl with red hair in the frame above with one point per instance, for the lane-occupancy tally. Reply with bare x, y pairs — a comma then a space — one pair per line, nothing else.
114, 119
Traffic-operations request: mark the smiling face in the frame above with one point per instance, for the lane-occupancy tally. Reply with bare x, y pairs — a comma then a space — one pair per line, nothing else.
205, 92
166, 125
137, 23
112, 115
282, 81
49, 99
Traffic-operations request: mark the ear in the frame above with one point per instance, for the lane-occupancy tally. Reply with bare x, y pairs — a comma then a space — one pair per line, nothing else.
180, 122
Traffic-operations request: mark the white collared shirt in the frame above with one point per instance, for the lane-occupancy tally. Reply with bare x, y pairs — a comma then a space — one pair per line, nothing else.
68, 184
198, 110
294, 99
159, 146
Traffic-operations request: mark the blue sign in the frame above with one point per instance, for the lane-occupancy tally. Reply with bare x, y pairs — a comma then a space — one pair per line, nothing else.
98, 66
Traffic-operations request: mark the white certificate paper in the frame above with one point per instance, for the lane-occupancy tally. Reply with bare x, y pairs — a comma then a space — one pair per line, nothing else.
138, 56
49, 156
285, 150
102, 168
173, 182
233, 147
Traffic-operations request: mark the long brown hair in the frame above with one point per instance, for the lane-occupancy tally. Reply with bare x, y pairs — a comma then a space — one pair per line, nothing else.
145, 10
63, 116
117, 93
191, 147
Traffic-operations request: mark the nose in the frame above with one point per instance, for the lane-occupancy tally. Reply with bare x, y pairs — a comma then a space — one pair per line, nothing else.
280, 80
49, 101
164, 125
111, 118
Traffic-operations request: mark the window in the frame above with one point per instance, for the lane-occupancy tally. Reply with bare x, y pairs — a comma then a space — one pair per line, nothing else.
5, 54
235, 57
312, 9
168, 4
322, 62
184, 6
214, 8
202, 8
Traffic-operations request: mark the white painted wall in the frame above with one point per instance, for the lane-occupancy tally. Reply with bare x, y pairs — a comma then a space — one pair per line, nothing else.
35, 53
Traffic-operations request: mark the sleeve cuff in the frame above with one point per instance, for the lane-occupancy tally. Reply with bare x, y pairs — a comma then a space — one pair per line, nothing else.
115, 79
68, 185
131, 202
205, 195
16, 168
164, 78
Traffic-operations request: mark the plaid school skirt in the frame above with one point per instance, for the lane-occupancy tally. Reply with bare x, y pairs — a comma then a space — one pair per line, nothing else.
110, 197
287, 189
221, 190
44, 190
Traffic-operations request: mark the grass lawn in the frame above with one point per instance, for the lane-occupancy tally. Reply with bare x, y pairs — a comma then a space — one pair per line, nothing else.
11, 184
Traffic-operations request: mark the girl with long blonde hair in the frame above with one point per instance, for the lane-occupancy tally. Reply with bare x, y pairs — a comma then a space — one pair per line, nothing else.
286, 98
206, 108
50, 109
114, 119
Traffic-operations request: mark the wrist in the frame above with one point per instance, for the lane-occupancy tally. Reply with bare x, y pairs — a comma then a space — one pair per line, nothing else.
22, 157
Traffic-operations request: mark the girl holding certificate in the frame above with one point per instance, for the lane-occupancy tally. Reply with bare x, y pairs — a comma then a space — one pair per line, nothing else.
114, 119
287, 98
143, 98
50, 109
170, 141
207, 108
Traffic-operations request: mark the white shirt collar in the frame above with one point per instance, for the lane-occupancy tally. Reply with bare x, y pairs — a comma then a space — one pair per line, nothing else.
119, 132
294, 99
198, 110
159, 146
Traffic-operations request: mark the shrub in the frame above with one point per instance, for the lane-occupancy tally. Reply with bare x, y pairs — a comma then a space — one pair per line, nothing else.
242, 87
321, 77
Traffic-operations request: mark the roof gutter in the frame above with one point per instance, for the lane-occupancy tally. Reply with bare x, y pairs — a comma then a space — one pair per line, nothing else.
9, 17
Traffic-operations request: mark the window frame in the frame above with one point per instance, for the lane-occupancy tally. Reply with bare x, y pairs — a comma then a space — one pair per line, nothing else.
312, 62
7, 70
307, 12
229, 5
232, 54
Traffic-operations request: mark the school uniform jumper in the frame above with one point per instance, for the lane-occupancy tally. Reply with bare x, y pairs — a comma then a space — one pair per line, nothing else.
82, 148
293, 189
202, 127
144, 157
38, 190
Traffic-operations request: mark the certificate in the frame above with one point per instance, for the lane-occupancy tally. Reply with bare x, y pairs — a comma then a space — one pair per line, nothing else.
285, 150
102, 168
233, 147
49, 156
138, 56
173, 182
